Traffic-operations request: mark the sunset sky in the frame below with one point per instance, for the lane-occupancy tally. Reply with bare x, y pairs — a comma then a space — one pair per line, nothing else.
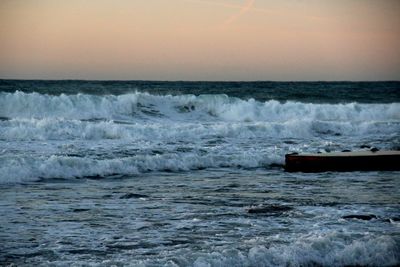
200, 39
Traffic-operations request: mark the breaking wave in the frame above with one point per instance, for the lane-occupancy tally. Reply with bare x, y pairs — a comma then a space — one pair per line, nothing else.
139, 116
191, 132
62, 129
333, 248
25, 169
330, 249
185, 107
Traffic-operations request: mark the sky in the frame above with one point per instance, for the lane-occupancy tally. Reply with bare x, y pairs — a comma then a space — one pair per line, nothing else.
280, 40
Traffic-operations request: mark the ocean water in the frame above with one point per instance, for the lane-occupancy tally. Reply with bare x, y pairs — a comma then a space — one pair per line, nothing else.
118, 173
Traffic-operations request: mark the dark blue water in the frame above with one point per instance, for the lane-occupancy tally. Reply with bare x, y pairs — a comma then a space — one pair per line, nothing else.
315, 92
138, 173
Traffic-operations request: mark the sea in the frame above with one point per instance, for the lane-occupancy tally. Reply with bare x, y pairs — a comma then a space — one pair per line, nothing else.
153, 173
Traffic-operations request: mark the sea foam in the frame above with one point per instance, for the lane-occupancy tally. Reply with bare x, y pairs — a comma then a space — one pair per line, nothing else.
31, 168
185, 107
191, 132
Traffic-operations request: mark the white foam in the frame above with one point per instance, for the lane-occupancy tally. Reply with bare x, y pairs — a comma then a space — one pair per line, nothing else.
63, 129
329, 249
244, 132
321, 249
81, 106
31, 168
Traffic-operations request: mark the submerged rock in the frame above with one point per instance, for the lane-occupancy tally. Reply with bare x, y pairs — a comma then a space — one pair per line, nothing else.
365, 217
80, 210
133, 195
269, 209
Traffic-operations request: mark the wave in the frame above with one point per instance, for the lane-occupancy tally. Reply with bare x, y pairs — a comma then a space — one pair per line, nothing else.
142, 116
30, 168
330, 248
316, 249
140, 106
214, 131
62, 129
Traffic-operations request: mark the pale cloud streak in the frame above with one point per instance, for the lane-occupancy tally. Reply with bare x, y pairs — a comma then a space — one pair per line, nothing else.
223, 4
246, 7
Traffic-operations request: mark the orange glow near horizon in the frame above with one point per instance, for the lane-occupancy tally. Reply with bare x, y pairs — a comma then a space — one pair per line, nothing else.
200, 40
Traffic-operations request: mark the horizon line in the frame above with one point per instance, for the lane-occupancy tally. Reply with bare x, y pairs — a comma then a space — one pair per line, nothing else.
210, 81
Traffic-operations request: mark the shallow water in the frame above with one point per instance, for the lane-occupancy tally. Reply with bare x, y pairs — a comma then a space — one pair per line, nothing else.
190, 174
202, 218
